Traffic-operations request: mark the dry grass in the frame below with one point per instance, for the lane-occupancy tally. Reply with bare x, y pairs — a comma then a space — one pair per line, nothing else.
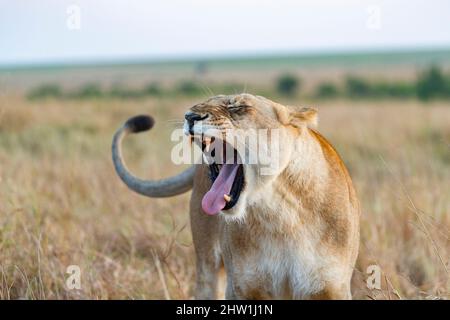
61, 202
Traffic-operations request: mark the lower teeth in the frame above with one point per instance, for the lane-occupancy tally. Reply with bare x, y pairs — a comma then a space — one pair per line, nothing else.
227, 197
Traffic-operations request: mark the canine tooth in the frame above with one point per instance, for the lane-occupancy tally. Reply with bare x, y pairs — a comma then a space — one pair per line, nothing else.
207, 147
207, 140
227, 197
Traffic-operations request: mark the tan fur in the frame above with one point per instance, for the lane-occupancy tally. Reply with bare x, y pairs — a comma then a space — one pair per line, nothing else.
306, 219
292, 235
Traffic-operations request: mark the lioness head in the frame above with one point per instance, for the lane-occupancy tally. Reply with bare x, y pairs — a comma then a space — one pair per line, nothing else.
247, 141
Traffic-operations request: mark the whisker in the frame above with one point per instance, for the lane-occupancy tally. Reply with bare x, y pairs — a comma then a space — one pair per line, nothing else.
208, 90
174, 120
245, 87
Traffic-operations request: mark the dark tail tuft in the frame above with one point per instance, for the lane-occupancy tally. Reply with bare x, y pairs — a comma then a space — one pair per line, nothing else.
140, 123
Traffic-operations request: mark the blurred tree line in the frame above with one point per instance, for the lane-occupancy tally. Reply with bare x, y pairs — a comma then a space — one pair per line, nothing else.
431, 83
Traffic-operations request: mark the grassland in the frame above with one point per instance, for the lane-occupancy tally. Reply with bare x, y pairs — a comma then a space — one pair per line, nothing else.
62, 204
247, 71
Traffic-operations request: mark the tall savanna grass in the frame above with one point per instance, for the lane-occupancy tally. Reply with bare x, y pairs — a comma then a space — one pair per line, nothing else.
62, 204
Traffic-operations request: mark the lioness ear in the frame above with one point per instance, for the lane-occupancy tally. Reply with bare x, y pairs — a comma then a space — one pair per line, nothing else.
304, 116
296, 116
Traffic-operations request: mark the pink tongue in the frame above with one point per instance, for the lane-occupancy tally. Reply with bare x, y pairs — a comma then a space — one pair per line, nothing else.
213, 200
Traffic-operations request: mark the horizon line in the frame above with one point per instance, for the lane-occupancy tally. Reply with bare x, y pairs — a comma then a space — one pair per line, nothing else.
222, 57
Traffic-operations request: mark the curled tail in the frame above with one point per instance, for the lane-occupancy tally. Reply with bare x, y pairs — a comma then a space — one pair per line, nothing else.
151, 188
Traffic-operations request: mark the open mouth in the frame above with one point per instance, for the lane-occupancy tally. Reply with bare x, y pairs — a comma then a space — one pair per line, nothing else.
227, 177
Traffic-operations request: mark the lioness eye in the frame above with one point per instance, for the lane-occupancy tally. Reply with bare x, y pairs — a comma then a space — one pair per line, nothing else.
238, 107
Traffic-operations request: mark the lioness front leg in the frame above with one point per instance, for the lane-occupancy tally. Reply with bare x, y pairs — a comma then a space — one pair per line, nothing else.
207, 279
205, 235
208, 260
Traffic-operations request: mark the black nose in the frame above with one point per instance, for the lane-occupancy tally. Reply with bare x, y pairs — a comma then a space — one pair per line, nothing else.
191, 117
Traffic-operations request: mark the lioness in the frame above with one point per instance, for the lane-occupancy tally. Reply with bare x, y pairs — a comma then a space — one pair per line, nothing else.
291, 234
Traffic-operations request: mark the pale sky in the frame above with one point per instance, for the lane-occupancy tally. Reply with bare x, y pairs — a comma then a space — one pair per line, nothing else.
35, 31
